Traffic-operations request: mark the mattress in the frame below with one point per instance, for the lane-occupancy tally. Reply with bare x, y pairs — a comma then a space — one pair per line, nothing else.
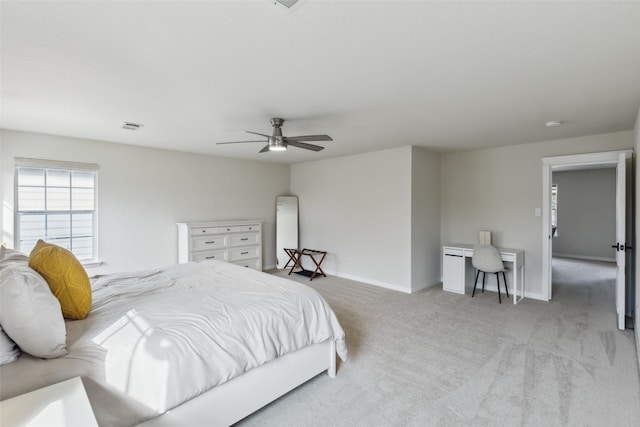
157, 338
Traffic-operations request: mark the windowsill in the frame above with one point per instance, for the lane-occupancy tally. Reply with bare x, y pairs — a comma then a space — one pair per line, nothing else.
91, 264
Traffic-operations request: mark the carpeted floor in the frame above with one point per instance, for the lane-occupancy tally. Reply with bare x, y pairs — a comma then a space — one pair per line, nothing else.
440, 359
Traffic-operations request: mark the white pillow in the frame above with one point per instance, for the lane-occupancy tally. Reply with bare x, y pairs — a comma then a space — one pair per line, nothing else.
9, 352
11, 256
30, 314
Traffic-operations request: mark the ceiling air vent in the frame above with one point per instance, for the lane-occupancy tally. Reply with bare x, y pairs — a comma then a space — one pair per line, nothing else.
131, 126
287, 3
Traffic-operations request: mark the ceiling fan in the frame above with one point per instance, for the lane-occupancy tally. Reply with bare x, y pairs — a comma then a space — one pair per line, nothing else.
278, 142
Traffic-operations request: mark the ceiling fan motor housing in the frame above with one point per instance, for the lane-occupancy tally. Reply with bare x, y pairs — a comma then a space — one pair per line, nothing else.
277, 142
276, 122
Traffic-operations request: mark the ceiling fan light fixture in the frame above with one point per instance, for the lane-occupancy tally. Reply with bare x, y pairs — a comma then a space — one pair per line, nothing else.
277, 144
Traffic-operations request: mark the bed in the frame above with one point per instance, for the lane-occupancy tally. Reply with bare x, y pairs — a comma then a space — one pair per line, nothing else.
190, 344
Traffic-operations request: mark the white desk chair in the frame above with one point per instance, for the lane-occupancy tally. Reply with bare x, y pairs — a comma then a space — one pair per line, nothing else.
486, 259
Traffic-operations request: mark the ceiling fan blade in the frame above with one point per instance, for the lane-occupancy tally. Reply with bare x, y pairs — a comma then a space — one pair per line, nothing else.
238, 142
304, 145
310, 138
264, 149
261, 134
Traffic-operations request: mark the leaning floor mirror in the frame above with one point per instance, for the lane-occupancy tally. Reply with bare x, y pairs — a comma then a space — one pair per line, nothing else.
286, 227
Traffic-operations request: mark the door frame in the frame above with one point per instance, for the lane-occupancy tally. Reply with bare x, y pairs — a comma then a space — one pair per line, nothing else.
563, 163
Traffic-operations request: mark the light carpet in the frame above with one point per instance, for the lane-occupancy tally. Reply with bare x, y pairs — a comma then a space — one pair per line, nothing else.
436, 358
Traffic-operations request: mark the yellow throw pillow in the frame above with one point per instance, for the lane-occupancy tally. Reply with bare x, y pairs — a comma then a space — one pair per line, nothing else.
66, 277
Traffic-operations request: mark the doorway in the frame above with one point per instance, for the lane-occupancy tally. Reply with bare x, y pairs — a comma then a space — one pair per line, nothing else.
583, 224
612, 159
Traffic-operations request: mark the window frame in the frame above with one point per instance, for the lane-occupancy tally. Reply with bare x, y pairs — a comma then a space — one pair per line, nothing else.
65, 166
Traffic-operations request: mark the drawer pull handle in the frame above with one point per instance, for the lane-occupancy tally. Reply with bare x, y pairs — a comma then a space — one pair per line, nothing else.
209, 243
246, 238
244, 253
211, 257
459, 256
228, 229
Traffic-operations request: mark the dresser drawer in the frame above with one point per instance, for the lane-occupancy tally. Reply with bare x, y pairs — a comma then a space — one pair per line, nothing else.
251, 263
202, 230
211, 242
244, 253
244, 239
212, 230
217, 255
227, 229
243, 228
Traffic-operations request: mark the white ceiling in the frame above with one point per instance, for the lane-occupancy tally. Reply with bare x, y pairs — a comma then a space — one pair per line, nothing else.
372, 74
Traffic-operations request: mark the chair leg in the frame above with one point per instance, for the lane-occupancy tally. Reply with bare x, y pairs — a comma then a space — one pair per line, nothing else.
474, 284
484, 276
505, 284
498, 283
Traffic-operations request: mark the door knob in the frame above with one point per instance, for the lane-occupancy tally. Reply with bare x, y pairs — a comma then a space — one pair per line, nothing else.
620, 247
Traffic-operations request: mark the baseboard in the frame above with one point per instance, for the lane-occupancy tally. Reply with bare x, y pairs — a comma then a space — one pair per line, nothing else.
378, 283
493, 288
584, 257
636, 329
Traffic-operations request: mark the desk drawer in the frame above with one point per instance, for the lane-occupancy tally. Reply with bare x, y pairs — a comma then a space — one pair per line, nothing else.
508, 257
453, 252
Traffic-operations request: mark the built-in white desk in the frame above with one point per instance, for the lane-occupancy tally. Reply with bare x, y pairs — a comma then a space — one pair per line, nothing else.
458, 274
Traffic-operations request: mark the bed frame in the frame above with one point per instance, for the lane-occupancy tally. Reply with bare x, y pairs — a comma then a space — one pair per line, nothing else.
234, 400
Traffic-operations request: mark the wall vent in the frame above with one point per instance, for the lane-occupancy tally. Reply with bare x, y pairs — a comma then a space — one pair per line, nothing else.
287, 3
131, 126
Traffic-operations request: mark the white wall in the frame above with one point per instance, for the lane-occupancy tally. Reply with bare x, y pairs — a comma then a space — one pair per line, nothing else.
498, 189
358, 208
143, 192
586, 214
637, 231
425, 218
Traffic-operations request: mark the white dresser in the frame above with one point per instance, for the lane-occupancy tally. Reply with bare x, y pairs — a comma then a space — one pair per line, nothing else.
237, 242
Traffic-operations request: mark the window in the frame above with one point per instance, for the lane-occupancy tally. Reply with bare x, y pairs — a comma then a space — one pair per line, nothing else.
56, 202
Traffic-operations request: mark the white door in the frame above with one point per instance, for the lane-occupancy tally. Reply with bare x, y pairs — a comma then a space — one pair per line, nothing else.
620, 238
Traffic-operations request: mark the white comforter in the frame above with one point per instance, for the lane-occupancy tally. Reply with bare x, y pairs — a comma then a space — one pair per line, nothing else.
155, 339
